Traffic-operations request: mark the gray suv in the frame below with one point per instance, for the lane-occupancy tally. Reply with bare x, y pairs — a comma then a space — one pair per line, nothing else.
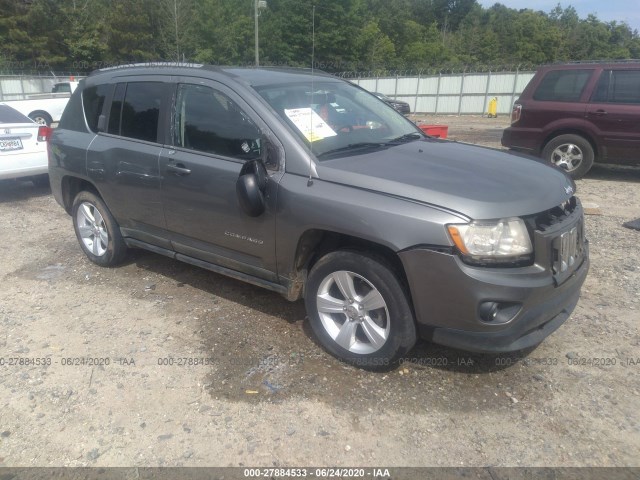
310, 186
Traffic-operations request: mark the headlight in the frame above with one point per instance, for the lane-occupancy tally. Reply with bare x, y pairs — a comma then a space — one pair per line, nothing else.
503, 240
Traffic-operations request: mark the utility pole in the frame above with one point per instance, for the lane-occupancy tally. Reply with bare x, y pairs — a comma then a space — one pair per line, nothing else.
258, 4
257, 42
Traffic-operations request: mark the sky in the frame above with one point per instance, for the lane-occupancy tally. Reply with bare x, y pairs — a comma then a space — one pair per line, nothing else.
606, 10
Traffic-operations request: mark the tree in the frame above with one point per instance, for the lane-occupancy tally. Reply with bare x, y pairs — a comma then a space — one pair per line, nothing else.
130, 31
376, 48
175, 19
349, 34
84, 32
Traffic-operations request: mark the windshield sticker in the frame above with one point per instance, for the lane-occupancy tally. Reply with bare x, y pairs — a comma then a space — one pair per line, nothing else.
310, 124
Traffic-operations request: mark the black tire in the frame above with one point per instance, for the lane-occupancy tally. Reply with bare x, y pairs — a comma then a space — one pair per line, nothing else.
105, 254
41, 181
563, 151
368, 273
42, 118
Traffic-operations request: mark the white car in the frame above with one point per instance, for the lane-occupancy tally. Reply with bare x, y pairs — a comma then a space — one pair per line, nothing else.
23, 147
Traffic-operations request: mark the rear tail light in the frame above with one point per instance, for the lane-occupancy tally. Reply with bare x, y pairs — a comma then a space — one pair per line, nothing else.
44, 133
516, 113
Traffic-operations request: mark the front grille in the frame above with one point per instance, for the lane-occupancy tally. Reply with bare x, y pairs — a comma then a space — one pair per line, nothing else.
549, 218
568, 249
558, 235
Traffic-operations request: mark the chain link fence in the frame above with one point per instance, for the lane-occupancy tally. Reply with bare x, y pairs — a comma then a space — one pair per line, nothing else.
23, 86
455, 91
448, 91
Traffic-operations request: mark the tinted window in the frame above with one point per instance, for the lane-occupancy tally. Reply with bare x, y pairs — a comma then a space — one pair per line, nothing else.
73, 117
61, 88
562, 85
141, 110
618, 86
115, 114
9, 115
208, 121
93, 100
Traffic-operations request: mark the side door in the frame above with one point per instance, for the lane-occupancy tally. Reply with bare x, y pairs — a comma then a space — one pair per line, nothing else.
615, 111
213, 132
123, 159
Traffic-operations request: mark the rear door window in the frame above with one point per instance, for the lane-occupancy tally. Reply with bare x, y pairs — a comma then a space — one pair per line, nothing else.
136, 114
618, 86
562, 85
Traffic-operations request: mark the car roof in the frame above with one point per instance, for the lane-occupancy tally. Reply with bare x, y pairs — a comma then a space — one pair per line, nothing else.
254, 76
581, 65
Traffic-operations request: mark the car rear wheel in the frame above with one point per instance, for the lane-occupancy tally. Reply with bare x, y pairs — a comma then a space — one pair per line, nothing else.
97, 230
359, 310
572, 153
42, 118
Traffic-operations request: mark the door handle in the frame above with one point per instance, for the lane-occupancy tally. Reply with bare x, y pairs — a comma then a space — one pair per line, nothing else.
599, 113
178, 169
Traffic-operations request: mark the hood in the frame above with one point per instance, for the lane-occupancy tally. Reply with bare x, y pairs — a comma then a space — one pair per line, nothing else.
477, 182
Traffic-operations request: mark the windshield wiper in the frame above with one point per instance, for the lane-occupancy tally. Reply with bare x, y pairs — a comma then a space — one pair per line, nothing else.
353, 146
406, 138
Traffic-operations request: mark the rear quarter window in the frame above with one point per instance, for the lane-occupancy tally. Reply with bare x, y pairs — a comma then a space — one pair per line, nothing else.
562, 85
93, 101
73, 117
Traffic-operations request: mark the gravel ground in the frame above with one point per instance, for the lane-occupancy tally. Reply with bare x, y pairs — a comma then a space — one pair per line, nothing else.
262, 393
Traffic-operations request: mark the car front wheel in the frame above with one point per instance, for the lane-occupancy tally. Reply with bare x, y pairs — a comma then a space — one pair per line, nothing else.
97, 230
359, 310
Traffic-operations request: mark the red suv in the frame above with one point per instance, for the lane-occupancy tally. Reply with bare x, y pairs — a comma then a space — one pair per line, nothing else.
578, 113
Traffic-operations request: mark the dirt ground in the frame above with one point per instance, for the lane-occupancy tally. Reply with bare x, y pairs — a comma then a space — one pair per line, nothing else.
186, 367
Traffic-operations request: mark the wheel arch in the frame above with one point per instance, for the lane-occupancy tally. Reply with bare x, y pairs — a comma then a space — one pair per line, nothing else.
43, 113
313, 244
571, 131
71, 186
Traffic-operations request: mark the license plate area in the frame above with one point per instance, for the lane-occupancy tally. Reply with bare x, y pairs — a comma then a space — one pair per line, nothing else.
8, 144
568, 251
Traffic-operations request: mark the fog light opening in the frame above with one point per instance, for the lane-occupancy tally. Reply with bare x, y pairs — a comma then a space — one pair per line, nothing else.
498, 312
488, 311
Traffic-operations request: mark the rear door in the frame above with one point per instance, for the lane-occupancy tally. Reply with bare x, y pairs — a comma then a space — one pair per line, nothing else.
615, 111
124, 158
213, 133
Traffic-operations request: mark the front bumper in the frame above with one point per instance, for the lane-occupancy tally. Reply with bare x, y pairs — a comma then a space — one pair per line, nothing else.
447, 295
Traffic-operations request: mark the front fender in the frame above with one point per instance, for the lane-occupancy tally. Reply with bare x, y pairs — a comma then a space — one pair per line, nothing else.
392, 222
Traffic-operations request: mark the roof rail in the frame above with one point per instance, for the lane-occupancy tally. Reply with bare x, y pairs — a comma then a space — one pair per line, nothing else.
148, 64
578, 62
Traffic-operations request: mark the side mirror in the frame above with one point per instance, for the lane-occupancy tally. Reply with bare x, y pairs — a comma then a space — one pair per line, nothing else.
251, 186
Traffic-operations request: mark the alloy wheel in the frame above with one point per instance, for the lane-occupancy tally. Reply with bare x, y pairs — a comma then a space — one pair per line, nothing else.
353, 312
92, 229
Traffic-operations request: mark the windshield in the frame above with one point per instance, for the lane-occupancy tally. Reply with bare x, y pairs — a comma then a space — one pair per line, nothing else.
337, 118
